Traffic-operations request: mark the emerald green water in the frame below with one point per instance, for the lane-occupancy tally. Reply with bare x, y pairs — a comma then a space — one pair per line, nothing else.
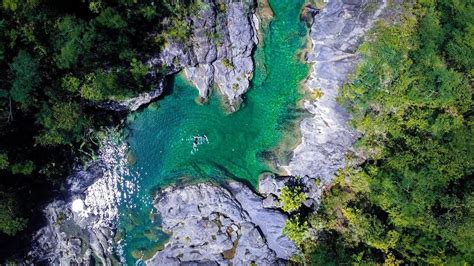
161, 139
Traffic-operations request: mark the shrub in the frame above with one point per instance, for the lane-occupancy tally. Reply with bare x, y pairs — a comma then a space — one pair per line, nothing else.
226, 62
296, 230
292, 198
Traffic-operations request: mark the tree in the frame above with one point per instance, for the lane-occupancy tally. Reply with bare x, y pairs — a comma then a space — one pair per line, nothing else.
63, 123
72, 41
138, 69
24, 168
412, 101
292, 198
71, 83
26, 77
111, 19
10, 222
296, 230
11, 5
3, 161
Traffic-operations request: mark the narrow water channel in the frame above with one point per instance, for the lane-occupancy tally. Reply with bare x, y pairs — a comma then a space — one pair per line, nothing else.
177, 140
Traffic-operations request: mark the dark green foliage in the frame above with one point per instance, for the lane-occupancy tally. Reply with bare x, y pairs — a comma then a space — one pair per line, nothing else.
459, 34
26, 77
73, 40
111, 19
411, 97
138, 69
3, 161
25, 168
57, 60
63, 123
10, 222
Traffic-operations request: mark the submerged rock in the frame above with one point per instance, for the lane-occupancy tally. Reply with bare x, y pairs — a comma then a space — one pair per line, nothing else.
211, 224
336, 33
219, 51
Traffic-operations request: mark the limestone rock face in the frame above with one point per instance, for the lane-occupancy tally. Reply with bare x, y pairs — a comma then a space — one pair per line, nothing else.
215, 225
336, 33
219, 50
136, 102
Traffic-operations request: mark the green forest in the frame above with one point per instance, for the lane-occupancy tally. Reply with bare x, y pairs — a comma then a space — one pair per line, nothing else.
58, 59
412, 199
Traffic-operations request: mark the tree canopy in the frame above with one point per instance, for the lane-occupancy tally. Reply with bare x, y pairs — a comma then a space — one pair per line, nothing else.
412, 200
58, 59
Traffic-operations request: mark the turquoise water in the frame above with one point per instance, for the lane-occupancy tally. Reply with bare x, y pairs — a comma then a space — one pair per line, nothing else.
238, 145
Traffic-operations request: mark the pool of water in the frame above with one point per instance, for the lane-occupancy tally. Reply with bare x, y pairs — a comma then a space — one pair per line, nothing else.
177, 140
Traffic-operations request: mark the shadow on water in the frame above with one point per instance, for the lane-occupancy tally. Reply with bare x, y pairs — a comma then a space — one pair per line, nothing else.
169, 87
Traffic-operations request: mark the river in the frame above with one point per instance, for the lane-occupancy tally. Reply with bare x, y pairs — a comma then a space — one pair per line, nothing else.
178, 140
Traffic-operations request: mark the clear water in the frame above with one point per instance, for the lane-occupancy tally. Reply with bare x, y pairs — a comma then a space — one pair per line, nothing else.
161, 138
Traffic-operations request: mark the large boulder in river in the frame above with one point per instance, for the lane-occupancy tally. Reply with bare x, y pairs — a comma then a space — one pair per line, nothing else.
220, 225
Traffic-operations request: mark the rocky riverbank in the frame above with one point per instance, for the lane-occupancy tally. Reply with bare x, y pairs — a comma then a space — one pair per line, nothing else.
327, 139
210, 223
223, 35
134, 103
81, 226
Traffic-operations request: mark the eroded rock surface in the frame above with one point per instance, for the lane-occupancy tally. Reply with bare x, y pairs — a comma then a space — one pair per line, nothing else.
336, 33
219, 50
80, 227
215, 225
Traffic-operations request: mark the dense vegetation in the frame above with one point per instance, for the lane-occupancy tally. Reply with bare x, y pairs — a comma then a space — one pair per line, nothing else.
411, 97
57, 60
412, 200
